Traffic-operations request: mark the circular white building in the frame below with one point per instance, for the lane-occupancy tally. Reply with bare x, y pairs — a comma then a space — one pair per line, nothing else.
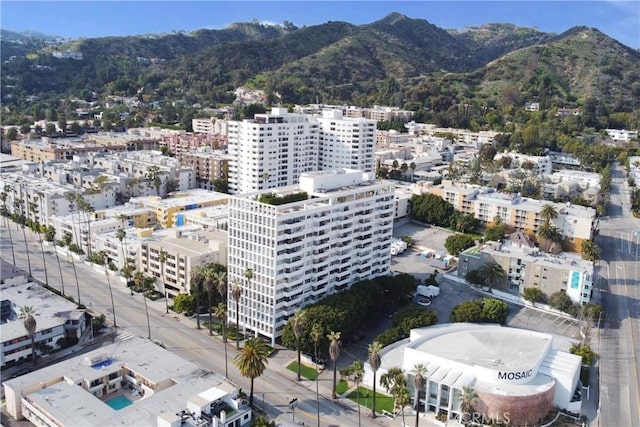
517, 374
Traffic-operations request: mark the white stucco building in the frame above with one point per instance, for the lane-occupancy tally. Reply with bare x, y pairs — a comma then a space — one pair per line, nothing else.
271, 150
346, 142
518, 375
306, 241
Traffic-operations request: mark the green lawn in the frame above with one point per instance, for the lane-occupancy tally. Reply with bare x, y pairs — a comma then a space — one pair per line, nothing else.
305, 371
382, 402
342, 387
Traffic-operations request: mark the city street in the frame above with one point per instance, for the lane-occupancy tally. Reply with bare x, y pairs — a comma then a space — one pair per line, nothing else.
273, 391
619, 341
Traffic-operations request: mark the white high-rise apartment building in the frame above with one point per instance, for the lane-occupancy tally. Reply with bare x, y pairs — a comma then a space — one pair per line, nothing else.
347, 142
305, 242
271, 150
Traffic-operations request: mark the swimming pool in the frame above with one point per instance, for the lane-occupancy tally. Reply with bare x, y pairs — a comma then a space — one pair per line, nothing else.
119, 402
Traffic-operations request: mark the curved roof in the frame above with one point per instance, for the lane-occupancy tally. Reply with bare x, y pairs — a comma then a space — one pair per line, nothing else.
487, 345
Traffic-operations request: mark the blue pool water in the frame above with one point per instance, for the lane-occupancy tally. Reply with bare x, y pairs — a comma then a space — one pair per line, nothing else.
102, 364
119, 402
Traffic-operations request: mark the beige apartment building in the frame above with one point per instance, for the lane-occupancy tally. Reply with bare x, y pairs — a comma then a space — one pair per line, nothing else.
519, 213
528, 267
185, 249
208, 164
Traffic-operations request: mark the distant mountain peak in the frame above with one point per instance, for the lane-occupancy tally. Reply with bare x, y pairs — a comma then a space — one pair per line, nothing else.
393, 18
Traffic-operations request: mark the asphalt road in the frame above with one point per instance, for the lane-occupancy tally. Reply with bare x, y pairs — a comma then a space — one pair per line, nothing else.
619, 342
273, 390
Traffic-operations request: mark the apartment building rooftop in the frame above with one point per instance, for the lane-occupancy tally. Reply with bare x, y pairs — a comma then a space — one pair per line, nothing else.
34, 184
189, 240
189, 198
178, 383
51, 310
534, 256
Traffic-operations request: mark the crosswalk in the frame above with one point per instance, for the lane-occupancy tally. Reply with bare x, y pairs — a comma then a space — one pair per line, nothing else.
124, 335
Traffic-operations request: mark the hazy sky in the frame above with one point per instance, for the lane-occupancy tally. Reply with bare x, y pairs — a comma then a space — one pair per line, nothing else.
617, 18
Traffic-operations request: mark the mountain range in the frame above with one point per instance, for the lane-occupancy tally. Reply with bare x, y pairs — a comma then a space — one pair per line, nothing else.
396, 60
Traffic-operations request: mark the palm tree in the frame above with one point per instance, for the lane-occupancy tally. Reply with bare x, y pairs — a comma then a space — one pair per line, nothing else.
197, 278
590, 251
418, 382
467, 402
394, 381
52, 234
27, 314
248, 275
221, 284
402, 399
236, 294
162, 258
220, 311
87, 208
374, 349
492, 272
113, 307
357, 370
334, 353
121, 234
252, 361
298, 323
127, 271
20, 203
316, 333
550, 233
548, 213
209, 284
465, 222
412, 166
3, 197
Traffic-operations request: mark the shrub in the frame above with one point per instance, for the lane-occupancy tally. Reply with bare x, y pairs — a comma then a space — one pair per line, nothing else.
184, 303
485, 310
458, 243
584, 351
534, 295
561, 301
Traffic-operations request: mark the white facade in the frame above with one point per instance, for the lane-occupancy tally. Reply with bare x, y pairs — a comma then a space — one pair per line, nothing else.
543, 165
55, 318
346, 142
158, 385
622, 135
271, 150
497, 362
302, 251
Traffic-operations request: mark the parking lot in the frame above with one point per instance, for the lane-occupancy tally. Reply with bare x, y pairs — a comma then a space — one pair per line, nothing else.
424, 237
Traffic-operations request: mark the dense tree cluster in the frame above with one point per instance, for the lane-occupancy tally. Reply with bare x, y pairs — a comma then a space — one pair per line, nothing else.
405, 320
353, 310
458, 243
484, 310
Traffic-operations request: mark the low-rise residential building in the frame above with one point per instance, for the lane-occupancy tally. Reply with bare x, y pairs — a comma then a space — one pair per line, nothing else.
65, 148
622, 135
385, 137
39, 200
574, 222
305, 242
563, 159
132, 382
167, 209
528, 267
209, 165
209, 218
460, 136
532, 106
56, 319
185, 248
541, 164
